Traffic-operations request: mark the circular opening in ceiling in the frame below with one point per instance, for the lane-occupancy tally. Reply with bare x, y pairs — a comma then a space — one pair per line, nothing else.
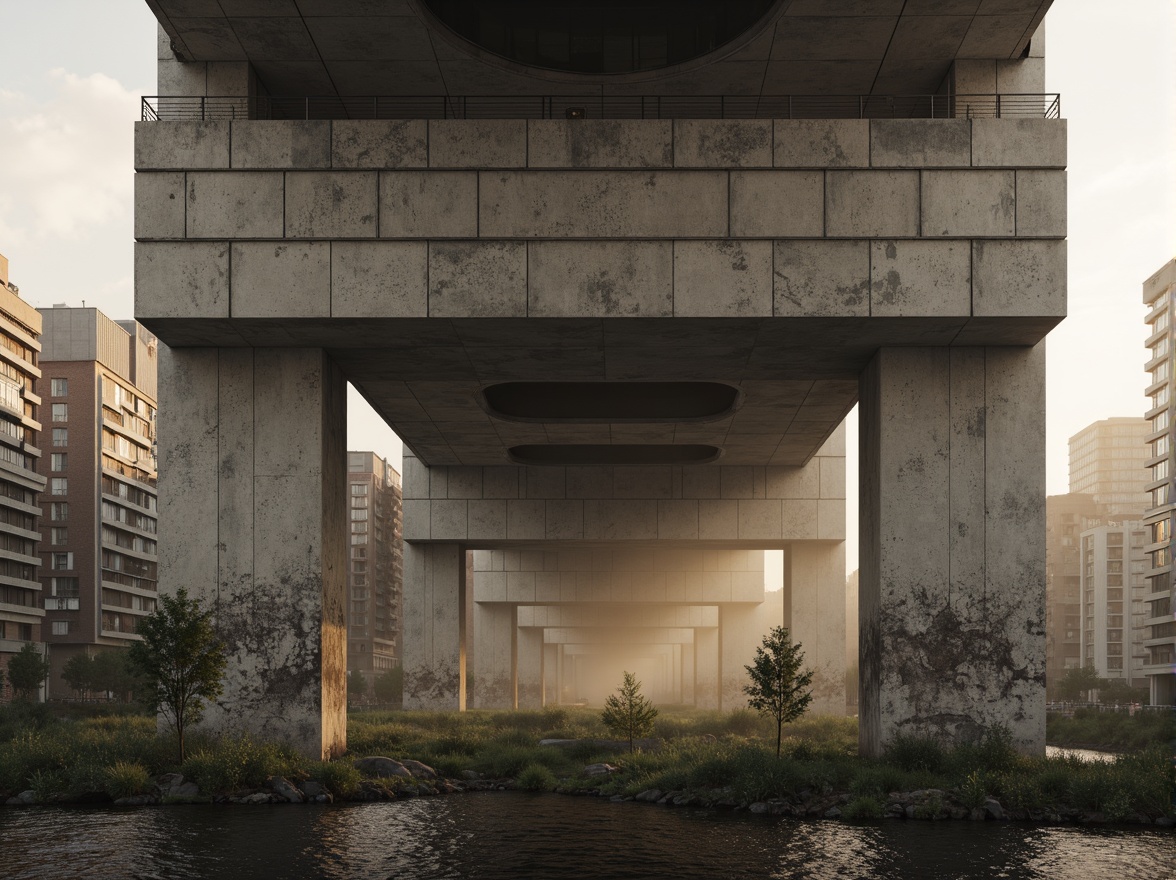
572, 454
610, 401
604, 37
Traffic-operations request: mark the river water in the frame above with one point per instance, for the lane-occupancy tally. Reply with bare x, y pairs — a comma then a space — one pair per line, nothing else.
500, 835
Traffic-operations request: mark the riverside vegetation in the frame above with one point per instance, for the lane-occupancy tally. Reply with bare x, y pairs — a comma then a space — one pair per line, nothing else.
695, 758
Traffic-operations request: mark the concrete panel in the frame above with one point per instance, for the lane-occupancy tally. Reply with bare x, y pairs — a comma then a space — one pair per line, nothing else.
822, 143
598, 204
600, 279
919, 143
448, 520
620, 520
794, 482
969, 204
190, 146
600, 143
385, 279
564, 520
274, 280
830, 520
801, 520
487, 520
429, 204
832, 472
777, 204
1019, 278
707, 674
331, 204
920, 278
235, 205
189, 280
159, 205
821, 278
526, 520
718, 520
760, 520
528, 668
872, 204
1041, 204
434, 624
1021, 143
379, 143
281, 144
815, 580
416, 520
493, 650
722, 278
677, 520
415, 477
477, 279
477, 143
722, 143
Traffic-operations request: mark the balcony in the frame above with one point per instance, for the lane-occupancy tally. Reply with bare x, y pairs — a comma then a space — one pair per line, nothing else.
980, 106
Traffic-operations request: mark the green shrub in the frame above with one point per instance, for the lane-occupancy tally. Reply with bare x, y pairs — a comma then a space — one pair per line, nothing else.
126, 779
916, 753
863, 807
48, 784
536, 777
1019, 791
340, 778
233, 763
878, 781
973, 792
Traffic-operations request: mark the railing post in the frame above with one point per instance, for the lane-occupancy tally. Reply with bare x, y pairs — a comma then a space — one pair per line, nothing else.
203, 99
998, 105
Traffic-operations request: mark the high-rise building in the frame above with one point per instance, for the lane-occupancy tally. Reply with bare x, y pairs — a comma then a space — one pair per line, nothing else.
1113, 585
99, 561
20, 482
375, 573
1159, 291
1107, 461
1066, 518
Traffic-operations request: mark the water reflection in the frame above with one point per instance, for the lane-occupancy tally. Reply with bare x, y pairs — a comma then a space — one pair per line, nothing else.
495, 836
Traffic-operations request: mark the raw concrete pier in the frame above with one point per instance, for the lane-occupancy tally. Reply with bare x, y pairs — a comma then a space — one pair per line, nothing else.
711, 294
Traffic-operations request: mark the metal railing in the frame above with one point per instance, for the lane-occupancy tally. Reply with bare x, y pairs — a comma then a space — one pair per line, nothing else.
986, 106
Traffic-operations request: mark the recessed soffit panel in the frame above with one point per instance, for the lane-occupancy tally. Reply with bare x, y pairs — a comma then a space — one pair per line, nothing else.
374, 47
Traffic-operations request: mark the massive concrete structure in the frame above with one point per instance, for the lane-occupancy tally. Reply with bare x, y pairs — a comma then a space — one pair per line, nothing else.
708, 296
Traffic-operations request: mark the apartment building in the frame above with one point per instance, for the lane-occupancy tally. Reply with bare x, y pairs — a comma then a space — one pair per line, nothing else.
1108, 460
1066, 518
1113, 590
375, 573
99, 559
20, 481
1159, 291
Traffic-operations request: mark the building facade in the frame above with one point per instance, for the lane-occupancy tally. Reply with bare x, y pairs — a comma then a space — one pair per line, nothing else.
1066, 518
1159, 295
631, 316
21, 480
99, 556
1108, 461
1113, 589
375, 573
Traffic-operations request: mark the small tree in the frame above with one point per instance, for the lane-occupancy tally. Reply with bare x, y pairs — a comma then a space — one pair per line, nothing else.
357, 687
78, 673
389, 687
779, 685
1078, 681
627, 713
181, 661
27, 671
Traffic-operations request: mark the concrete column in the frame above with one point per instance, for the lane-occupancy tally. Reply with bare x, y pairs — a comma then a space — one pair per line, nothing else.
551, 675
434, 626
528, 667
493, 685
706, 668
815, 573
676, 672
688, 674
252, 521
741, 633
952, 544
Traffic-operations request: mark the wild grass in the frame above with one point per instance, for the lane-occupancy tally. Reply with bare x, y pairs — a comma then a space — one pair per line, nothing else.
1112, 731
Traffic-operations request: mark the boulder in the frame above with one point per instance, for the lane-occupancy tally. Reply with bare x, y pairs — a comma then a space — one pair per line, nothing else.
759, 807
833, 813
382, 767
283, 789
650, 796
139, 800
1162, 822
993, 808
312, 789
259, 798
419, 770
599, 769
470, 775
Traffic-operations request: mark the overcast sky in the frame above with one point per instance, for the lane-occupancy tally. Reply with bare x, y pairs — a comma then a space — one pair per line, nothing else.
74, 72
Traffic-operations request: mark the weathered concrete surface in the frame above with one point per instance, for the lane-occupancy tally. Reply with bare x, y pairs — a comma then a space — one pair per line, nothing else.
434, 630
252, 492
494, 625
529, 649
953, 582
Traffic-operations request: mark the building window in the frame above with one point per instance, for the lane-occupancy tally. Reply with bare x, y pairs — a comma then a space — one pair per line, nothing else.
59, 535
58, 511
62, 561
359, 489
58, 387
60, 412
61, 627
358, 515
59, 486
60, 436
57, 461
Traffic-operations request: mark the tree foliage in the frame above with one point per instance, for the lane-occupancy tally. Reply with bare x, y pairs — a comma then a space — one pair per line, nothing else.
105, 675
27, 670
1078, 681
357, 687
627, 713
389, 687
779, 686
181, 661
